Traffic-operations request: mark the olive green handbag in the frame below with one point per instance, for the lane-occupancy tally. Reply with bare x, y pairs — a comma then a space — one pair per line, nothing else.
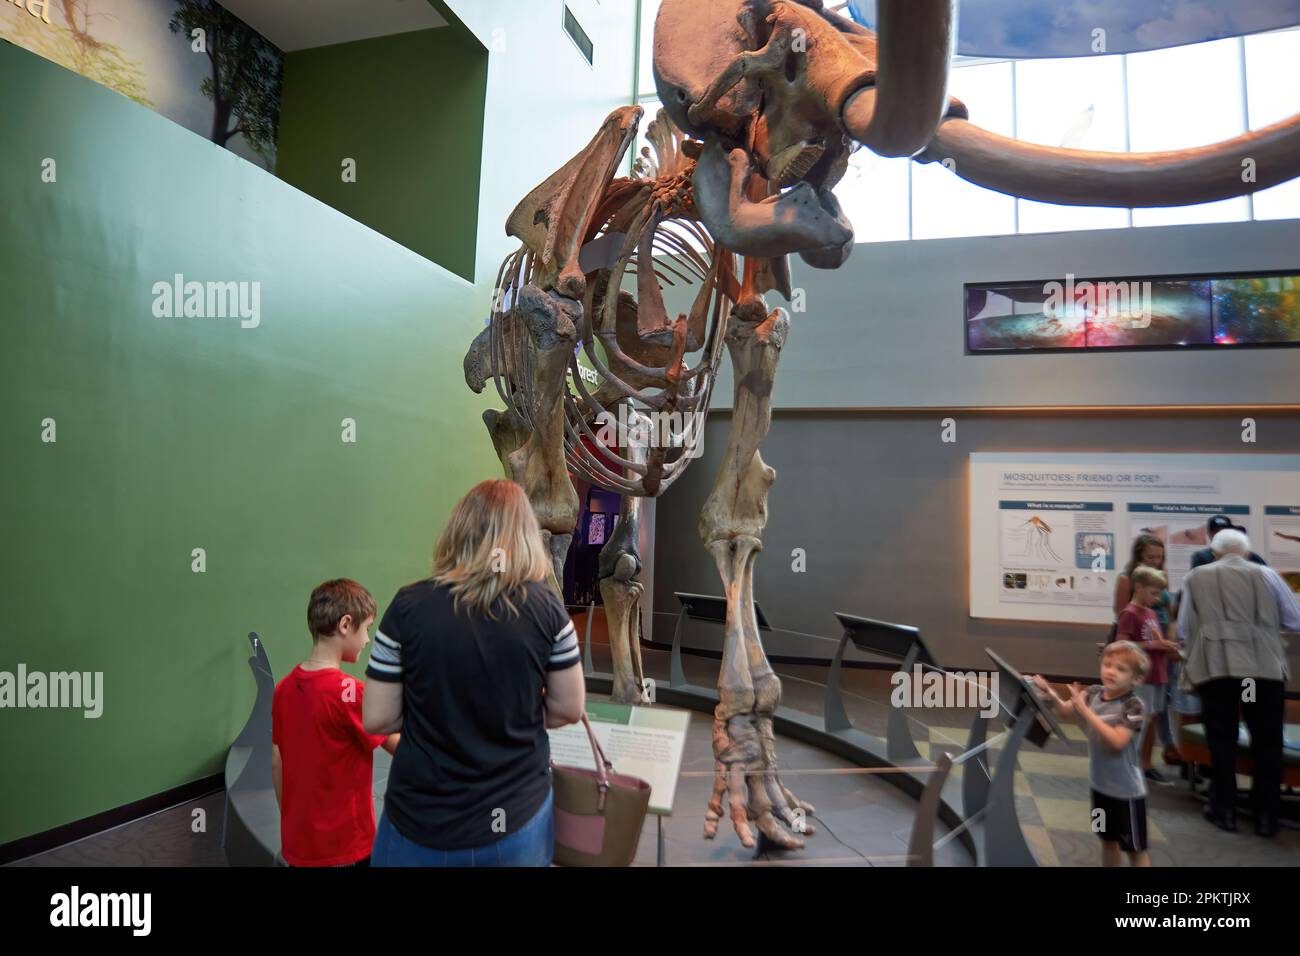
598, 813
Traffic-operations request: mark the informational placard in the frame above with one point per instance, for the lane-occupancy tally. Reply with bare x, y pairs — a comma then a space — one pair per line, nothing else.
645, 742
1050, 532
1281, 541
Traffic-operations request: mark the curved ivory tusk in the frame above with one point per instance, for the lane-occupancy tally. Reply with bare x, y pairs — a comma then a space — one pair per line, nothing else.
899, 115
1073, 177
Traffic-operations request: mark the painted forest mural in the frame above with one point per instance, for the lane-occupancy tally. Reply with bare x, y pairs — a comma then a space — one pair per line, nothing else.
190, 60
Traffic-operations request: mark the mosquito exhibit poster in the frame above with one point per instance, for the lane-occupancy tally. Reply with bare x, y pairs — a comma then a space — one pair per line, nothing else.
1050, 532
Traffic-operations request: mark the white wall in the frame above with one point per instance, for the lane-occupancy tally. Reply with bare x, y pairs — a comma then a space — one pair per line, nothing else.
544, 102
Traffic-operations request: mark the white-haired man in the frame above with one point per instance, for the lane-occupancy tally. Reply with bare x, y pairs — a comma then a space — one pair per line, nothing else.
1230, 618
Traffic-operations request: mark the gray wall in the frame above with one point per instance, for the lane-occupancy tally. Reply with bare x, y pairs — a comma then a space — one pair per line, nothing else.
886, 329
879, 503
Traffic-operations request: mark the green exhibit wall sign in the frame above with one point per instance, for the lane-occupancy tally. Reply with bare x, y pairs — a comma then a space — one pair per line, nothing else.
218, 393
390, 131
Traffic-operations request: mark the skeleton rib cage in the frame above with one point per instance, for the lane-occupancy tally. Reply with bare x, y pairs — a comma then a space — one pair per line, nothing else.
651, 219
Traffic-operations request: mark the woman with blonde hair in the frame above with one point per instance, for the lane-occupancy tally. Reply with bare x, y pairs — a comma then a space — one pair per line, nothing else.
473, 664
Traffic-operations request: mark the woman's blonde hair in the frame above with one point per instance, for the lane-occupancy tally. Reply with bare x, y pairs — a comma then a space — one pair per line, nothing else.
490, 548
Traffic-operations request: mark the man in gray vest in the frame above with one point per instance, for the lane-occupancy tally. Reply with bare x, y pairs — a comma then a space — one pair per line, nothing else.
1230, 618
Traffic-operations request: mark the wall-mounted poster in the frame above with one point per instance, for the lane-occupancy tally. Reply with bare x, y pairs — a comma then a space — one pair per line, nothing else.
1280, 545
193, 61
1049, 533
1147, 313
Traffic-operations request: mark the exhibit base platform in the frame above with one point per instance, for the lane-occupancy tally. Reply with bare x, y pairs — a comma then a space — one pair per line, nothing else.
977, 810
913, 776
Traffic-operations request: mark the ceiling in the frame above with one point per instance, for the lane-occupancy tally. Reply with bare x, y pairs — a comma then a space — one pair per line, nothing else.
303, 24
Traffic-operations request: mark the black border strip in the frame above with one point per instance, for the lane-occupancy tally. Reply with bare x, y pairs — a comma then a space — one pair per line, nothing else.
47, 840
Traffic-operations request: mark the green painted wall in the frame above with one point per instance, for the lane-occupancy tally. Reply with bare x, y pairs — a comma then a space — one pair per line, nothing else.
183, 433
409, 109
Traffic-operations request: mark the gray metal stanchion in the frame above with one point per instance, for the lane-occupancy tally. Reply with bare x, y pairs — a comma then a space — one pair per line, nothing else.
920, 849
900, 642
1004, 842
898, 732
588, 666
834, 716
676, 675
899, 744
975, 779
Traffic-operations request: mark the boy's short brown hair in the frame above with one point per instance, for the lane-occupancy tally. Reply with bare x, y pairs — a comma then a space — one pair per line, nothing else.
332, 600
1148, 577
1134, 656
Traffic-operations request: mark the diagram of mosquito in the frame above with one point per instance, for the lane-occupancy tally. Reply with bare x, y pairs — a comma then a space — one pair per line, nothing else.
1038, 539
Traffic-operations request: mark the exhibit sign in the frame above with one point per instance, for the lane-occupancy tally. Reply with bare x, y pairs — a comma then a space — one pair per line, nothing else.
645, 742
1049, 533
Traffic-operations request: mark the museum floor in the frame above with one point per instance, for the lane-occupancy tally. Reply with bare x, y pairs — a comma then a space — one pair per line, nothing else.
861, 819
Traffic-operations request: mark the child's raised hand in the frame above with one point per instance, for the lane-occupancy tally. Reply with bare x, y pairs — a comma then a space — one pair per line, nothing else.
1076, 697
1041, 686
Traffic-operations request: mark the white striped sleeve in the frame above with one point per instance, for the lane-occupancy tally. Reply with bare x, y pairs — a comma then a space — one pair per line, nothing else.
385, 659
564, 648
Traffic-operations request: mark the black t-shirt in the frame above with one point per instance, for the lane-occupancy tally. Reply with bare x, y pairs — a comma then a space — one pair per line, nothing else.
474, 762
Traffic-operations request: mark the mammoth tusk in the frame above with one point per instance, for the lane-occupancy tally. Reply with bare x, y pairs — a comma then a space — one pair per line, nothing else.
1087, 178
899, 114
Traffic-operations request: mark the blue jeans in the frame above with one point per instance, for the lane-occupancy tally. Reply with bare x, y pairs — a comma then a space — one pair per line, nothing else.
530, 845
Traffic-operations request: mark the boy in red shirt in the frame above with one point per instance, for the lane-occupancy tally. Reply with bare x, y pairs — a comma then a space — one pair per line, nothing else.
1140, 624
321, 757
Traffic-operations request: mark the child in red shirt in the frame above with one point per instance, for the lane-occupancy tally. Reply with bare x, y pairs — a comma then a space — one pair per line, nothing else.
1141, 625
321, 756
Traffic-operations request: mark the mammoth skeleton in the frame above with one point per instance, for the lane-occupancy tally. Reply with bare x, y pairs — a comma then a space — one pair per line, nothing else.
763, 102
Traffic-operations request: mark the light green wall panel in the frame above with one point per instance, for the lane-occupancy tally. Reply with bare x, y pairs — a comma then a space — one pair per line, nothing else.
408, 109
183, 433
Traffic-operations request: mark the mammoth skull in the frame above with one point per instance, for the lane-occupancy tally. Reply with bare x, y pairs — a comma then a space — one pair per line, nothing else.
784, 90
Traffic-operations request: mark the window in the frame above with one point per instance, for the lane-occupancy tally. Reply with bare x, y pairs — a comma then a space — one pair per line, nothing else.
1077, 103
1273, 94
875, 194
645, 83
1187, 96
943, 204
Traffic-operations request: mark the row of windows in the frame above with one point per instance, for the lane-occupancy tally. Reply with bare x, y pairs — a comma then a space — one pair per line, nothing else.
1140, 102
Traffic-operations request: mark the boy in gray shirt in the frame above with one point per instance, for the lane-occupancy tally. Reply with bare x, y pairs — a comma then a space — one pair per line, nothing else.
1112, 716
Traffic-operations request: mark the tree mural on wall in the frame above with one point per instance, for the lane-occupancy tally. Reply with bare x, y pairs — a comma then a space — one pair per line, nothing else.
73, 45
247, 74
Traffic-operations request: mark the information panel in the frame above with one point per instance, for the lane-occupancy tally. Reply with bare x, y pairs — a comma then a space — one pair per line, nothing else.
645, 742
1050, 532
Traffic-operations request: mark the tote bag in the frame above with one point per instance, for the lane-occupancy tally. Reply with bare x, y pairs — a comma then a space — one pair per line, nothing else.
598, 813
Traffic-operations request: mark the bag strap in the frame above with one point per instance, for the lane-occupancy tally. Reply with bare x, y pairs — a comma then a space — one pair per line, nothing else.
603, 765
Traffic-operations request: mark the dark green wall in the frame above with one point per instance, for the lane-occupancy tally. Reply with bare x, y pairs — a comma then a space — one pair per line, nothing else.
409, 109
180, 433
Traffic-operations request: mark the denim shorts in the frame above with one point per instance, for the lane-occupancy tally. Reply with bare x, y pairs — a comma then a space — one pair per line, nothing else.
1153, 697
531, 845
1182, 701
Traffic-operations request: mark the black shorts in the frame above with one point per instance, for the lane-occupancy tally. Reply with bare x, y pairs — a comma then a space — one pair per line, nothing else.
1121, 821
